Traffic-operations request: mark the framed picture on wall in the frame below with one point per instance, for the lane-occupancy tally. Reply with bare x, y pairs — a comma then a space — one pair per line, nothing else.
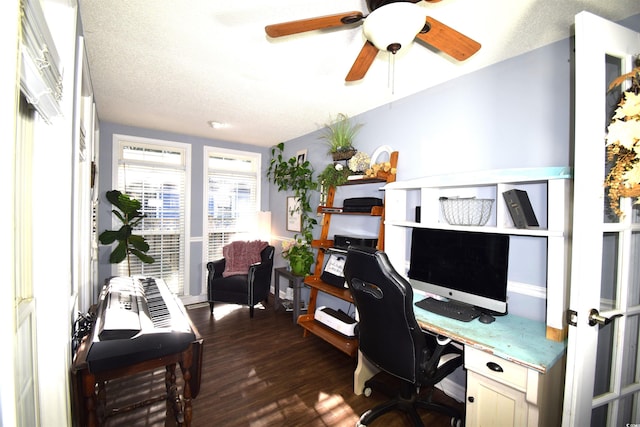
294, 220
301, 156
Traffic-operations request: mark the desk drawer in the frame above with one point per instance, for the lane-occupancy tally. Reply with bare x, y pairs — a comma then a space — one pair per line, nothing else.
495, 368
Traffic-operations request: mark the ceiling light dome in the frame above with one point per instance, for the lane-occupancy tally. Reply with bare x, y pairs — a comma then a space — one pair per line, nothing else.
394, 26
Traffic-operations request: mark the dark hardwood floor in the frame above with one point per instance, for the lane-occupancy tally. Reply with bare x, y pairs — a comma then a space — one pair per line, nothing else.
262, 372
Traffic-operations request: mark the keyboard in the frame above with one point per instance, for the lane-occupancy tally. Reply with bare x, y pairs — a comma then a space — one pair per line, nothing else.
451, 309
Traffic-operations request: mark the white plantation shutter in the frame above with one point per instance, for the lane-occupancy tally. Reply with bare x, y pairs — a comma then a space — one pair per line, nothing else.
156, 176
232, 201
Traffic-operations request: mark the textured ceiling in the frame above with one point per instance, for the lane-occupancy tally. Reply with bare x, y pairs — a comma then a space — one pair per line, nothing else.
173, 65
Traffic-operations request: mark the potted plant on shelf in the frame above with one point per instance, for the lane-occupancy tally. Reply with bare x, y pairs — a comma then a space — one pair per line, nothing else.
339, 136
292, 175
127, 210
333, 175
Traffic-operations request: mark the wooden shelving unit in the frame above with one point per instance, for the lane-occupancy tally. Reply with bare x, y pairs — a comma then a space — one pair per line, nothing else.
307, 321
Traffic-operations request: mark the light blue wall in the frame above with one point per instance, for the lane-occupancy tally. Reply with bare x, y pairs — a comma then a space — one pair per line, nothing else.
512, 114
197, 267
517, 113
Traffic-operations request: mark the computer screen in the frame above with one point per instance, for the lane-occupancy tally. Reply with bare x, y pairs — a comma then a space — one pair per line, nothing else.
468, 267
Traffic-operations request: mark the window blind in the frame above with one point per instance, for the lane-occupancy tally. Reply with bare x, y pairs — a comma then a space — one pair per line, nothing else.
156, 177
232, 211
40, 75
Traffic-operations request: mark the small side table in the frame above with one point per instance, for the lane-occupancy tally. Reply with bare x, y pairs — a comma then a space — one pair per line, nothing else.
296, 282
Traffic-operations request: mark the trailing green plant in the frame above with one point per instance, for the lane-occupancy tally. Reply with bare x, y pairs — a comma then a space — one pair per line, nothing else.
333, 175
291, 175
127, 210
340, 133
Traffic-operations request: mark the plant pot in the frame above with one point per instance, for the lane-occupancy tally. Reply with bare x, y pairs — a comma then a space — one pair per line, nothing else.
299, 267
343, 154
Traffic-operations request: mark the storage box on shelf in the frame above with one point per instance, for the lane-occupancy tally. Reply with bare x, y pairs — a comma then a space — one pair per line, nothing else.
549, 190
315, 283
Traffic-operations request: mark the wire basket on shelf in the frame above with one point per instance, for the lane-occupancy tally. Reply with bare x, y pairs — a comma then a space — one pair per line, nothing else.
466, 211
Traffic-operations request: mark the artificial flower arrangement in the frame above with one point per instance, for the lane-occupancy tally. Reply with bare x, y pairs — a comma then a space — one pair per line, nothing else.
299, 254
359, 162
623, 145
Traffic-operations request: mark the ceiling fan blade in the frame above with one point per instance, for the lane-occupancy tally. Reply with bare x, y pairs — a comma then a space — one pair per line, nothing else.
448, 40
363, 62
318, 23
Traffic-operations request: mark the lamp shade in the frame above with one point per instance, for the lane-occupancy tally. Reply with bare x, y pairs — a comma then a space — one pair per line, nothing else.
394, 26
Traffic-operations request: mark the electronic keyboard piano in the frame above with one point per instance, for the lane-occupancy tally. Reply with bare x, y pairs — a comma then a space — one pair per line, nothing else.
139, 325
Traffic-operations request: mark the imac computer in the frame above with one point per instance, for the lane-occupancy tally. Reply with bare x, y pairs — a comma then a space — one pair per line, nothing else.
468, 268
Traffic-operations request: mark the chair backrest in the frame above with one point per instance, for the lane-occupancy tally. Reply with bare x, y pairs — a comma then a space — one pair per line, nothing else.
389, 334
267, 254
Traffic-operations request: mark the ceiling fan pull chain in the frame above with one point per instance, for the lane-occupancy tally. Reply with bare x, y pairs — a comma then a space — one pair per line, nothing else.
391, 74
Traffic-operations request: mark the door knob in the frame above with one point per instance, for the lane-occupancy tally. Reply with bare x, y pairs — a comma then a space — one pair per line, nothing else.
595, 318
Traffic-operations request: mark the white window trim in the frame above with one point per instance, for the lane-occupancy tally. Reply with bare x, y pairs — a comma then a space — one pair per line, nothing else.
117, 140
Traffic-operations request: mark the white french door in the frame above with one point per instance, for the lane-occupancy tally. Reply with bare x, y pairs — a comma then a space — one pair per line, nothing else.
603, 367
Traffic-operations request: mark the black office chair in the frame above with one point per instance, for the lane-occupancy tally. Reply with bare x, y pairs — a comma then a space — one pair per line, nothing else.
391, 339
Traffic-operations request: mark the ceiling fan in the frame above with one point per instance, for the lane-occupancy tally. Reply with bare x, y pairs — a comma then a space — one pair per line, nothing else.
390, 25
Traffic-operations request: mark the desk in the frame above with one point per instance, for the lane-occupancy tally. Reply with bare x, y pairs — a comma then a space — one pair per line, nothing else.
295, 282
529, 389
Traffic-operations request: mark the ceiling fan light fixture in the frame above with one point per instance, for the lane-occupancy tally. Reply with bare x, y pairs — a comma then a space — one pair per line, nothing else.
394, 25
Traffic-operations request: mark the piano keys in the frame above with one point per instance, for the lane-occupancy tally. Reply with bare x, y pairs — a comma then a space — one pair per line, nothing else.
140, 325
137, 319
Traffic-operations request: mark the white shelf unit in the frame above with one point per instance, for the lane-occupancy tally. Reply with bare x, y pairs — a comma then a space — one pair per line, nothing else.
549, 190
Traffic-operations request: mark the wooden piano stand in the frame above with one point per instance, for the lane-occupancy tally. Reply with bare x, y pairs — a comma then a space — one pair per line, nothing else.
89, 387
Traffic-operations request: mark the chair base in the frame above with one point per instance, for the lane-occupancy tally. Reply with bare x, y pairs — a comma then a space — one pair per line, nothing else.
407, 401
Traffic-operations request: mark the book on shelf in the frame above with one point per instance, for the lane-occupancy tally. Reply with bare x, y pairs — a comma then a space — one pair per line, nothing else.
520, 208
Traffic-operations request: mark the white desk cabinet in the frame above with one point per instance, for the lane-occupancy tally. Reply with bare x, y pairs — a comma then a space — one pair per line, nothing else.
549, 190
503, 394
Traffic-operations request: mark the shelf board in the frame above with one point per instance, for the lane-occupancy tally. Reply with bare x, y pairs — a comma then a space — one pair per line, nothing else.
535, 232
317, 283
322, 244
346, 345
488, 177
375, 211
364, 181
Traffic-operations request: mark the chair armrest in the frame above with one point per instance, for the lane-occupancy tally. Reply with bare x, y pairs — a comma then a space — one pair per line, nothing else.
260, 274
216, 268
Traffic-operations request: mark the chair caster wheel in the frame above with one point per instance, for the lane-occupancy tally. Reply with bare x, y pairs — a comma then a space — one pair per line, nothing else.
367, 393
456, 422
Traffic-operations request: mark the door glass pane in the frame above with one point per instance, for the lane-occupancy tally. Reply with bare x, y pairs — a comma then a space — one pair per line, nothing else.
608, 292
613, 69
633, 290
604, 356
630, 353
599, 416
635, 214
628, 411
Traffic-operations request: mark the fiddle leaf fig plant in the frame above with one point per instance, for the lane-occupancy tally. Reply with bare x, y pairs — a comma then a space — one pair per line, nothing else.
127, 210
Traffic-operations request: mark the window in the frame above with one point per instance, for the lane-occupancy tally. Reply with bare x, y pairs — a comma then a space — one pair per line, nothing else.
232, 200
157, 174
